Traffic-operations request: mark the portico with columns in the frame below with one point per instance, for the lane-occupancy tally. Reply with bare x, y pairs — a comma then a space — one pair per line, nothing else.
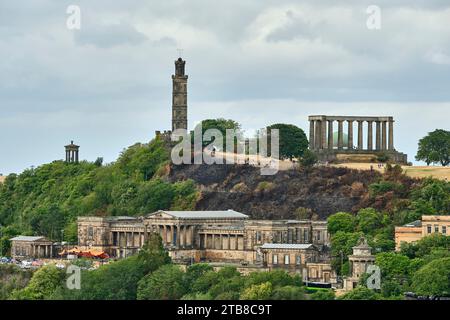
321, 137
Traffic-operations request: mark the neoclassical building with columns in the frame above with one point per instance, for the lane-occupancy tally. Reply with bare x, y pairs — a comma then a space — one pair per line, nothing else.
360, 147
217, 237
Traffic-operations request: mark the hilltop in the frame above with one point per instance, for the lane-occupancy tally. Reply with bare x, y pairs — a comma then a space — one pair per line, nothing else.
289, 194
48, 199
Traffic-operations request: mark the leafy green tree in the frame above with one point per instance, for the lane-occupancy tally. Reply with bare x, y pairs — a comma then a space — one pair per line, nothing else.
392, 264
435, 148
425, 246
293, 141
360, 293
166, 283
341, 221
261, 291
119, 280
341, 247
196, 271
432, 197
323, 295
12, 278
222, 125
309, 159
369, 220
433, 279
278, 278
288, 293
42, 285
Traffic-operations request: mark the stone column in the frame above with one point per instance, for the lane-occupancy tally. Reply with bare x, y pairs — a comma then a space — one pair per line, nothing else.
340, 135
350, 135
369, 135
378, 136
360, 135
384, 136
317, 138
164, 234
229, 242
391, 135
178, 236
330, 134
311, 134
324, 134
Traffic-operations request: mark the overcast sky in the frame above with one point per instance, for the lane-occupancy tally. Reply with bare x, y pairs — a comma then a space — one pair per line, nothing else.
259, 62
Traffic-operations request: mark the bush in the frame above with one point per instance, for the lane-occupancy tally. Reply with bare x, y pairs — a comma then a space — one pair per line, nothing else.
166, 283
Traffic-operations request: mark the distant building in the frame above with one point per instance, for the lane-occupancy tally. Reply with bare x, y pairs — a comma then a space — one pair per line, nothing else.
226, 237
416, 230
179, 96
359, 261
25, 247
72, 153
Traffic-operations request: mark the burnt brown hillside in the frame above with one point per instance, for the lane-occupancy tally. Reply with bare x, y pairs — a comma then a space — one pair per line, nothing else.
323, 190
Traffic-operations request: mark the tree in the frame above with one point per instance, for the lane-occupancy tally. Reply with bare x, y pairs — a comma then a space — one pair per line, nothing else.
42, 285
341, 221
341, 247
433, 279
435, 147
196, 271
432, 197
425, 246
393, 265
261, 291
360, 293
278, 278
166, 283
369, 220
323, 295
293, 141
222, 125
288, 293
309, 159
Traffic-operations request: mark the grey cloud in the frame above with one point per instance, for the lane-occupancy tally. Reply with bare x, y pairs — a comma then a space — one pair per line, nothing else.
107, 36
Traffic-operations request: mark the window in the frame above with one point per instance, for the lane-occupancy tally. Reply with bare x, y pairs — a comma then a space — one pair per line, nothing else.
275, 259
436, 228
298, 260
444, 230
286, 259
428, 228
318, 235
90, 232
258, 236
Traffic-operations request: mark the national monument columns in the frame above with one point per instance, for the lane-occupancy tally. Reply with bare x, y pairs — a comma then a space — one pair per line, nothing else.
321, 135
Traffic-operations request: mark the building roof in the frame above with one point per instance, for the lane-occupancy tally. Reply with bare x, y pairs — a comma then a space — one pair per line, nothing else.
28, 238
416, 223
287, 246
219, 214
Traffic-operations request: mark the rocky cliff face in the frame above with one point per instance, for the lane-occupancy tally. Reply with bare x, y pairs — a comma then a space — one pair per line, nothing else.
322, 191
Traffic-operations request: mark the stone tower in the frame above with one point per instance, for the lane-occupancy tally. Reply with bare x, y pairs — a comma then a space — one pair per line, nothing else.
72, 151
179, 96
359, 261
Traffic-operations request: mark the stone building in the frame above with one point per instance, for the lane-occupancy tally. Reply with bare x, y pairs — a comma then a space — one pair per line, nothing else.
215, 237
321, 140
359, 261
418, 229
25, 247
179, 96
72, 153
